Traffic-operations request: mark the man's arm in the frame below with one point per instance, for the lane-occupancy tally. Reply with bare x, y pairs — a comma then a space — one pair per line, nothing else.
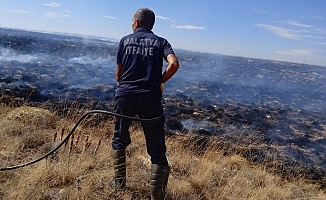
171, 69
118, 72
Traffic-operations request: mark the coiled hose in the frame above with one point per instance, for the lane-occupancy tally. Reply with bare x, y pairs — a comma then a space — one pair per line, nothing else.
73, 130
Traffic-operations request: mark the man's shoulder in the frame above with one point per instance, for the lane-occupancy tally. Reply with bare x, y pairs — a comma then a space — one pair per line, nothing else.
159, 37
128, 36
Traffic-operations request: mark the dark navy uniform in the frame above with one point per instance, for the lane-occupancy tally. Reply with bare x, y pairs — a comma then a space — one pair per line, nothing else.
141, 55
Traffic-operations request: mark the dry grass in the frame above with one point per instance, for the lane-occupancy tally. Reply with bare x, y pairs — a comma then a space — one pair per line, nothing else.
82, 168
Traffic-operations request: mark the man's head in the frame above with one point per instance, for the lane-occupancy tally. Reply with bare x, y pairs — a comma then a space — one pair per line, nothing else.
144, 18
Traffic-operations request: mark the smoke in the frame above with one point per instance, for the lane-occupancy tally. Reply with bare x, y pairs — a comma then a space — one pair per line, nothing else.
62, 63
222, 79
89, 60
9, 55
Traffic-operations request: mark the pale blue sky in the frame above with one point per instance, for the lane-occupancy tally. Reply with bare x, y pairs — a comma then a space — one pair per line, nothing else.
286, 30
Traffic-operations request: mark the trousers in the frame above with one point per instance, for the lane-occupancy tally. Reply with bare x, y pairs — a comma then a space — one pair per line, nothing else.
146, 106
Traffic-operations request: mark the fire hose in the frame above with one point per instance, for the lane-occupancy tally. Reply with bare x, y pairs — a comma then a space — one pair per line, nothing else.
73, 130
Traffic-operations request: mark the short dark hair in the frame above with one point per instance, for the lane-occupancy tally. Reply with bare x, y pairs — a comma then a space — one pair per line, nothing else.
146, 18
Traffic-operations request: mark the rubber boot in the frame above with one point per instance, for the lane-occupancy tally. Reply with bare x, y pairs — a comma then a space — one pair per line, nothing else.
119, 165
159, 181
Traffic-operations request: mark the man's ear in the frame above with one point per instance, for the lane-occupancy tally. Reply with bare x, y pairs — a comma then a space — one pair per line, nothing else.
137, 23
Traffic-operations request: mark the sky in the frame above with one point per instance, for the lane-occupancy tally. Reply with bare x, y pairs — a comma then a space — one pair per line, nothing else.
283, 30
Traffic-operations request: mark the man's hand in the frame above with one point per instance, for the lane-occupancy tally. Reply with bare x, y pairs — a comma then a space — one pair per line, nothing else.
172, 67
162, 87
118, 72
